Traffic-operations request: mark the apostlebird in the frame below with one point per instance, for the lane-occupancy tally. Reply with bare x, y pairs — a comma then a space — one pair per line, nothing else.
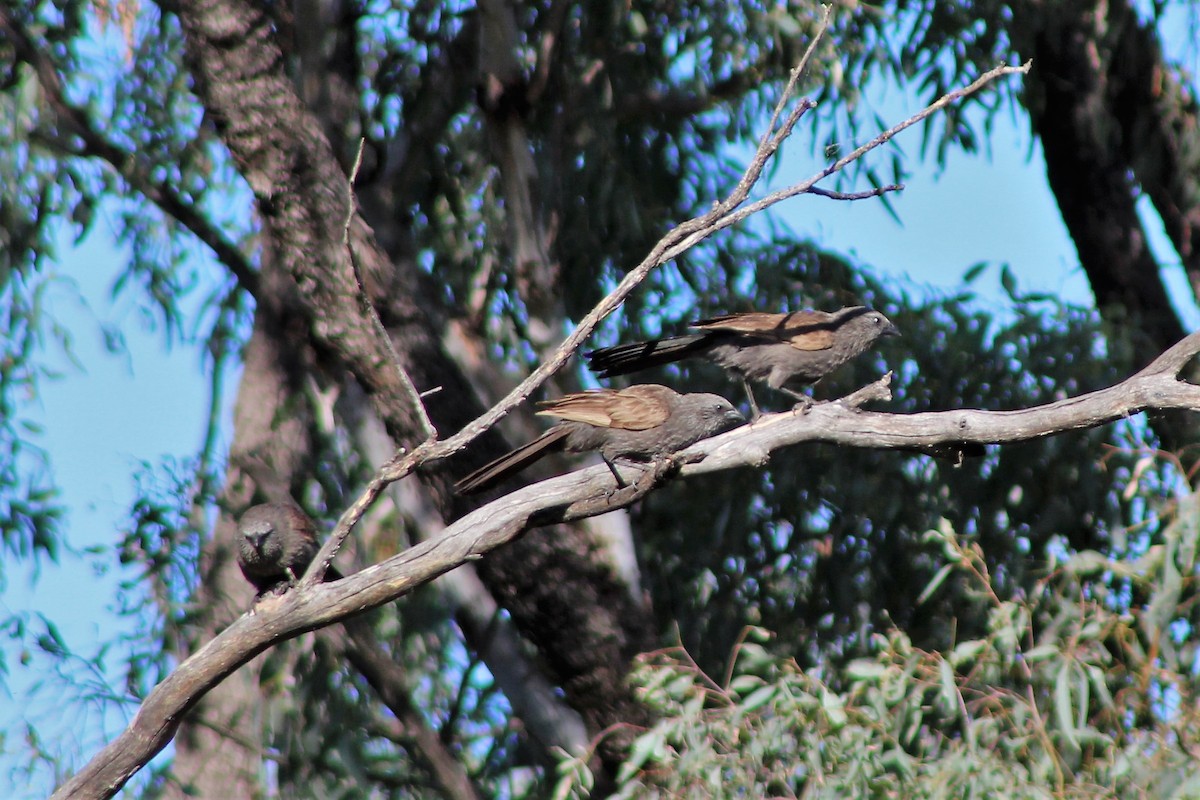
643, 422
800, 347
276, 543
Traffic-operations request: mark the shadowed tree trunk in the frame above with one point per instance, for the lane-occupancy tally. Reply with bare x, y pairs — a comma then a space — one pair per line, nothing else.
560, 590
1097, 70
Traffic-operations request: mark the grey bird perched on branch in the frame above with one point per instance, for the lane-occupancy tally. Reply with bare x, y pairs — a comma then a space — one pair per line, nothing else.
800, 347
276, 543
644, 422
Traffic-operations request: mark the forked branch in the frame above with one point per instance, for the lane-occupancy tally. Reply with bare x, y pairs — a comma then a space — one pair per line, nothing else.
588, 492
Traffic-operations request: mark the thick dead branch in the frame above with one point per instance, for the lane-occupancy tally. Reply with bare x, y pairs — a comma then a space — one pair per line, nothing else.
588, 492
303, 248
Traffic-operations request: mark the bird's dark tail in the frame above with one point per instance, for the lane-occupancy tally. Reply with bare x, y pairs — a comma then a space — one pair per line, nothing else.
626, 358
511, 463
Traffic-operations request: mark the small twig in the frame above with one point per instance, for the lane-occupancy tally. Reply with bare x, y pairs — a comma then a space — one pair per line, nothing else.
404, 461
806, 186
410, 390
932, 108
734, 653
774, 137
880, 390
878, 192
712, 689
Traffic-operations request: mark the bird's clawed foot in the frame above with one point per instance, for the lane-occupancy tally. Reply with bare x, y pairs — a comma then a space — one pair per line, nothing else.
804, 403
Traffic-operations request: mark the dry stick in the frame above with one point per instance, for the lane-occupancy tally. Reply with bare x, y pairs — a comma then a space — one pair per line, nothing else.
806, 187
773, 138
570, 496
351, 516
863, 195
410, 390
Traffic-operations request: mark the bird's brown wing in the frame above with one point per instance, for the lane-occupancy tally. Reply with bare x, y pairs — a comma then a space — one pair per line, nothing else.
637, 408
812, 339
803, 330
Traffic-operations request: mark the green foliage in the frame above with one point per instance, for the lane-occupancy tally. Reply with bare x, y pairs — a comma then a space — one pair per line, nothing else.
63, 166
161, 546
1072, 691
928, 48
30, 505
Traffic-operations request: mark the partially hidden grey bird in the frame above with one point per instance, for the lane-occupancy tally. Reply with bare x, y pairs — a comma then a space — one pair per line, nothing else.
780, 350
643, 422
276, 543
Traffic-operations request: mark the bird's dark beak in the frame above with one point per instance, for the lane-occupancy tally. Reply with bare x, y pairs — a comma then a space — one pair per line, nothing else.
891, 330
734, 417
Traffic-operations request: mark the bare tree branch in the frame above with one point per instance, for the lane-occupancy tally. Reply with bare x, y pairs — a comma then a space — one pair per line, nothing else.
588, 492
832, 195
807, 186
414, 397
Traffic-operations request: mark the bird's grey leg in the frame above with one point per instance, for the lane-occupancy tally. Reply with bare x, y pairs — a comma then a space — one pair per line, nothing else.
613, 469
754, 412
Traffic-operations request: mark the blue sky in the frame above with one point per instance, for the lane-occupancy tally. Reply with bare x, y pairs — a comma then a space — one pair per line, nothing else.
102, 421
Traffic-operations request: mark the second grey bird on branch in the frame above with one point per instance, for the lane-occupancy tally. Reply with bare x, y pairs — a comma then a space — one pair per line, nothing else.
276, 543
643, 422
780, 350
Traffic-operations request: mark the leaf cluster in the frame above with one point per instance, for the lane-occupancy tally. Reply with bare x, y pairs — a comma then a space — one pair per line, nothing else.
1072, 691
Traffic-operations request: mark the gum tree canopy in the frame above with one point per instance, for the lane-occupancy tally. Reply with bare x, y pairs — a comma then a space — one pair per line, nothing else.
402, 221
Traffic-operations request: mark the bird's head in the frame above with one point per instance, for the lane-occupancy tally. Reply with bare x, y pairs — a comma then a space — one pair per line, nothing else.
257, 529
866, 324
